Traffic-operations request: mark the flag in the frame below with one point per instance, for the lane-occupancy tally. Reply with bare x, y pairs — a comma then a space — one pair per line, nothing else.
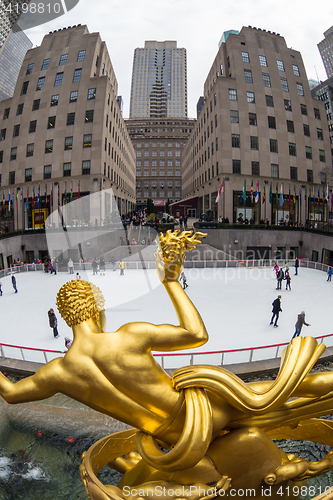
277, 192
318, 196
257, 193
314, 196
100, 184
33, 197
263, 194
327, 194
8, 200
305, 199
252, 191
27, 200
270, 194
218, 194
3, 199
65, 194
45, 195
71, 191
300, 196
324, 197
38, 199
58, 195
281, 195
294, 196
244, 192
17, 199
289, 196
21, 197
78, 190
51, 197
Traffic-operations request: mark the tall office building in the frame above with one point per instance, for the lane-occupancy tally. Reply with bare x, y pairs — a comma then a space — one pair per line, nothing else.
159, 81
326, 51
10, 13
62, 135
261, 133
11, 58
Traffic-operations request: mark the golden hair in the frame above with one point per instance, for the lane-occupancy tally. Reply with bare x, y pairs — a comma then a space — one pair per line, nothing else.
78, 301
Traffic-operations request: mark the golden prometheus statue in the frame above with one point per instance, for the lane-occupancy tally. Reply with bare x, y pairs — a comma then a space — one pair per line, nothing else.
203, 433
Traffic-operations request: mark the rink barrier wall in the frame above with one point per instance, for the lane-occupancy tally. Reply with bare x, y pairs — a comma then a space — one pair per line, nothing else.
171, 360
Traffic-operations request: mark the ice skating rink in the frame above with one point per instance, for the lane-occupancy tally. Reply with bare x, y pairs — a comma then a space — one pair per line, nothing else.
235, 304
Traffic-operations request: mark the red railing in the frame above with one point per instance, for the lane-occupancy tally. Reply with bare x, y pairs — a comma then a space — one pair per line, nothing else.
23, 348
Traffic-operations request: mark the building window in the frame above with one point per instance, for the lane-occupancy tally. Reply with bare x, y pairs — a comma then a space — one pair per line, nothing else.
306, 129
30, 149
86, 167
269, 101
255, 168
35, 105
11, 179
293, 173
29, 69
296, 70
232, 94
280, 65
28, 175
49, 146
254, 142
250, 97
274, 170
308, 153
6, 113
67, 169
70, 118
87, 140
284, 84
13, 153
290, 126
287, 105
45, 64
304, 110
300, 89
321, 155
273, 145
3, 134
54, 100
63, 59
80, 56
91, 94
236, 166
262, 60
271, 122
19, 110
47, 171
40, 83
323, 177
73, 96
68, 143
266, 80
89, 116
77, 75
309, 174
32, 126
51, 122
245, 57
320, 134
16, 130
316, 113
24, 88
248, 76
1, 156
58, 79
235, 140
292, 149
252, 118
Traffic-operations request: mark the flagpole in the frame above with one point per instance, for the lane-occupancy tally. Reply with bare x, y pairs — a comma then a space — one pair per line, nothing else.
223, 199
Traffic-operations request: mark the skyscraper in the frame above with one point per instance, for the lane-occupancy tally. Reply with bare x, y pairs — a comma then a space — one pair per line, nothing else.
159, 81
10, 13
326, 51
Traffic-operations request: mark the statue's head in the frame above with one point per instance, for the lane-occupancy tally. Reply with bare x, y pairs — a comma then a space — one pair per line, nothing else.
78, 301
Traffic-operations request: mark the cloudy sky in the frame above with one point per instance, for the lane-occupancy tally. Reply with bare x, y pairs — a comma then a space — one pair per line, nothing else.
126, 24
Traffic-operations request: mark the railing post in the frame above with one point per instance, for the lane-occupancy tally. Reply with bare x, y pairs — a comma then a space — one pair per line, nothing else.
162, 362
45, 356
191, 359
222, 360
251, 355
277, 352
22, 354
1, 351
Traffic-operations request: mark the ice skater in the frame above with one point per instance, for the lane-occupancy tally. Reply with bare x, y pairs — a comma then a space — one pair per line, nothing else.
121, 267
288, 280
299, 323
276, 310
1, 292
280, 276
329, 274
14, 283
296, 266
184, 280
102, 266
53, 322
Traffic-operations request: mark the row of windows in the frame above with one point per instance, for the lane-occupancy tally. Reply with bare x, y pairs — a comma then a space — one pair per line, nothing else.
170, 172
62, 61
51, 122
263, 62
67, 170
161, 144
160, 153
153, 184
162, 194
57, 81
267, 83
161, 163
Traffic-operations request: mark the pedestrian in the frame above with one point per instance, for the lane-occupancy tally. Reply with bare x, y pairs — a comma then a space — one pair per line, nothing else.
53, 323
68, 342
296, 266
121, 267
288, 278
276, 310
299, 323
184, 280
70, 266
286, 266
280, 276
276, 269
113, 262
14, 283
94, 266
329, 274
102, 266
1, 289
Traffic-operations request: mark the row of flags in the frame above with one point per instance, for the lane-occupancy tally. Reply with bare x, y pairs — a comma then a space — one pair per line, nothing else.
309, 197
36, 201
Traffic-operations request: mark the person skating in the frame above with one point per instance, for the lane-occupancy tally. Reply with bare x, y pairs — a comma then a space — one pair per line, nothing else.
288, 279
276, 310
121, 267
102, 266
1, 292
329, 274
14, 283
299, 323
94, 266
296, 266
53, 323
184, 280
280, 276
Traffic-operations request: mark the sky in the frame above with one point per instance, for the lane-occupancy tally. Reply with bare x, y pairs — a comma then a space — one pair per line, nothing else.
197, 26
